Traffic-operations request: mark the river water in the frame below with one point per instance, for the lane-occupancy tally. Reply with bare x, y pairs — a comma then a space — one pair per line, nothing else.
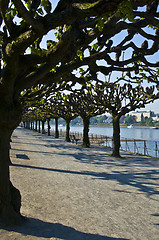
148, 147
143, 133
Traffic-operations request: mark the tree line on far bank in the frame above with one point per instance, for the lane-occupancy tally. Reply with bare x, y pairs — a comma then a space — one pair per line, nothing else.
106, 120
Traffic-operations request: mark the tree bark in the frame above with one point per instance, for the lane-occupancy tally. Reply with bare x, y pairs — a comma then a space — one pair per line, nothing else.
86, 142
56, 128
43, 128
28, 125
39, 127
48, 127
36, 125
10, 198
116, 137
67, 138
24, 124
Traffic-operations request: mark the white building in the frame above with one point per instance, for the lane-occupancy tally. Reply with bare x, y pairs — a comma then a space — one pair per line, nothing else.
142, 115
155, 119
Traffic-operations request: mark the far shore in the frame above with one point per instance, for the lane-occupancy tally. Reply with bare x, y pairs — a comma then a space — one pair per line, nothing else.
111, 125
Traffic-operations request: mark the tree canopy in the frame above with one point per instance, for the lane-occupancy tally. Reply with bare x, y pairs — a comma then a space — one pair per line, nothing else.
76, 25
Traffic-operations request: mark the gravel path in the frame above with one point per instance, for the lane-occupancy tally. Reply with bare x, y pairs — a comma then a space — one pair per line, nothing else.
73, 193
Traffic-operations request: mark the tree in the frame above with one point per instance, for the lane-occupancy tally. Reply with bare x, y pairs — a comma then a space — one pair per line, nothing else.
149, 122
77, 121
93, 120
65, 110
121, 99
102, 119
85, 103
129, 119
77, 24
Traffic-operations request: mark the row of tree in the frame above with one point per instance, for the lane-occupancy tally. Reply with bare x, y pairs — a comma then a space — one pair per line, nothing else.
90, 101
80, 45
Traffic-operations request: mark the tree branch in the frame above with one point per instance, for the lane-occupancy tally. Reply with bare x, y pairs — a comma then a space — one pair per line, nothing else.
35, 23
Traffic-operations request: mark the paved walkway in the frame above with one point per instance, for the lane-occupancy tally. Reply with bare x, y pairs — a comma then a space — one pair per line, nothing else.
73, 193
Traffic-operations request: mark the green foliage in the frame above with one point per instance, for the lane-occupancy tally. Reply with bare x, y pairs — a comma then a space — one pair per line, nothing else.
149, 122
125, 7
28, 4
57, 35
81, 71
95, 46
50, 44
153, 27
100, 119
67, 28
1, 41
11, 12
36, 51
101, 20
100, 23
44, 3
86, 5
128, 119
53, 70
80, 54
59, 30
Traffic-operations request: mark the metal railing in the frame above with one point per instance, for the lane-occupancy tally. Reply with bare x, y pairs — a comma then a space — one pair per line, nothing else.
137, 146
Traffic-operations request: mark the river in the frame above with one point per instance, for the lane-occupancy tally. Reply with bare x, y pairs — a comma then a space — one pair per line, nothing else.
148, 147
142, 133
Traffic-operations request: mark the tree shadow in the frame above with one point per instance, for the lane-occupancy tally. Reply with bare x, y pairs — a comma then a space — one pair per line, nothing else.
28, 143
53, 143
145, 182
22, 156
156, 215
49, 153
102, 156
41, 229
96, 158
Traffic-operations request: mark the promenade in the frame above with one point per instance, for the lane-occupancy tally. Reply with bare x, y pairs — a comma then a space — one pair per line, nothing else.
72, 193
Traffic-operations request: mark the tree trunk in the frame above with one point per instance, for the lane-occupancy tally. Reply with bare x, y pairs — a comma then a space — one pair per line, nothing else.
10, 198
36, 125
39, 127
116, 137
56, 128
33, 125
86, 142
67, 138
48, 127
28, 125
43, 128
